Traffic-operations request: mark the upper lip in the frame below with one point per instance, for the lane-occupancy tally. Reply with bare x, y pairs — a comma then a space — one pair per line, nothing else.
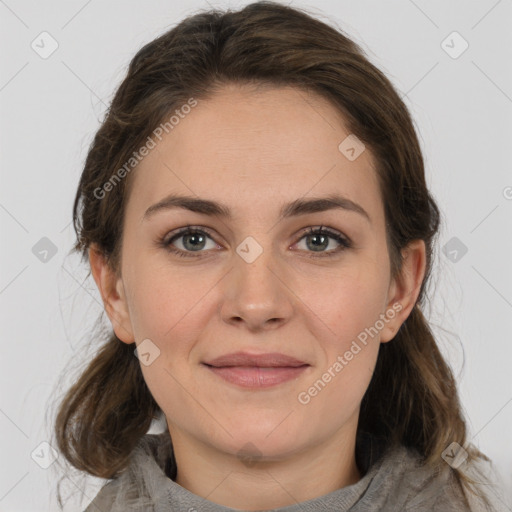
268, 360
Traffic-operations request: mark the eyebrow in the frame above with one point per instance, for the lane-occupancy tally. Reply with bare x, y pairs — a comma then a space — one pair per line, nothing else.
293, 209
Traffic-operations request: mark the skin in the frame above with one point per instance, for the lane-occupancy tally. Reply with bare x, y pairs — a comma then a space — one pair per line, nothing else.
254, 149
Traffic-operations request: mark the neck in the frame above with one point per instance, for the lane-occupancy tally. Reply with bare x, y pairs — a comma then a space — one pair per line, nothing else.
263, 484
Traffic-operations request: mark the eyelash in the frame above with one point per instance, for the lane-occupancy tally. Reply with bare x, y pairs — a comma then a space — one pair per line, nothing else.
166, 242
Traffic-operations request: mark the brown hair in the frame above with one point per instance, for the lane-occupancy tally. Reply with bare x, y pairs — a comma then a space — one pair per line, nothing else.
412, 398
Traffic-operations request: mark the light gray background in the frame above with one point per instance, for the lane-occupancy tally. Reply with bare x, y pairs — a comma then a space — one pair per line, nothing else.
50, 109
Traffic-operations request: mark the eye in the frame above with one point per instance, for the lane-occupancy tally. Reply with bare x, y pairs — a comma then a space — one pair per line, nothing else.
192, 240
319, 238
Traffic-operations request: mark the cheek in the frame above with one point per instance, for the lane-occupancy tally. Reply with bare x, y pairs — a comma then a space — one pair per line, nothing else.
344, 327
342, 306
167, 305
344, 321
171, 310
334, 395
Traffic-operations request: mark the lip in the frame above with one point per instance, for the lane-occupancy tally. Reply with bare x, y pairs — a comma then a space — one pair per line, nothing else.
268, 360
256, 370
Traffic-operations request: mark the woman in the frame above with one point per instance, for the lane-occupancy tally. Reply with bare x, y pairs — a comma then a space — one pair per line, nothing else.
255, 215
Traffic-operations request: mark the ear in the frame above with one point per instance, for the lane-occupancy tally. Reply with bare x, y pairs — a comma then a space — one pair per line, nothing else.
112, 293
404, 290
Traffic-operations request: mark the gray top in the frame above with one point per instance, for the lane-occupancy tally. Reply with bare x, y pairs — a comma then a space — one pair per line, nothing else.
395, 481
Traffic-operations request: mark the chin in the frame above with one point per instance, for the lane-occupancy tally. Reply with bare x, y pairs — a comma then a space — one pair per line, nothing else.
258, 444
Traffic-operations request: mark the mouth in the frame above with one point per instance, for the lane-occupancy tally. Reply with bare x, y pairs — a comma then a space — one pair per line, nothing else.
256, 371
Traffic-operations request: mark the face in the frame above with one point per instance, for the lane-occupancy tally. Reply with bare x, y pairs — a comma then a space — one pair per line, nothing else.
256, 281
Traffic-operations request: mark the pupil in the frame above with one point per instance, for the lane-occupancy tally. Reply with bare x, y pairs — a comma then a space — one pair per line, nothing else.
321, 244
192, 236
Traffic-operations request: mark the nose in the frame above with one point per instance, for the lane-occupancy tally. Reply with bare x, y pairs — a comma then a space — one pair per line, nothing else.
256, 293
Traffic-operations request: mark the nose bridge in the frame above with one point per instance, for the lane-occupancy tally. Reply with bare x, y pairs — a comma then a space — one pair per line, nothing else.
255, 292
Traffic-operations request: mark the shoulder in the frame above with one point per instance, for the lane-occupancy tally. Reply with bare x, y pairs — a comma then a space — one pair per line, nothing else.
105, 498
405, 483
144, 474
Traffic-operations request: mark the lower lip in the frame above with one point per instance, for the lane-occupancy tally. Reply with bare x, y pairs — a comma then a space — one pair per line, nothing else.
256, 377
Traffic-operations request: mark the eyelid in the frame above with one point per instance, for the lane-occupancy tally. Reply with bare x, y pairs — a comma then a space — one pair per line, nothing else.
185, 230
344, 241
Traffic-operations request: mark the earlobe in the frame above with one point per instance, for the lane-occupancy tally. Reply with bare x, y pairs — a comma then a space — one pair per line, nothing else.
404, 290
112, 293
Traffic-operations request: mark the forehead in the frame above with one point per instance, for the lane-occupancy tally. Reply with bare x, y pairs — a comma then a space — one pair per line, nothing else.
255, 149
